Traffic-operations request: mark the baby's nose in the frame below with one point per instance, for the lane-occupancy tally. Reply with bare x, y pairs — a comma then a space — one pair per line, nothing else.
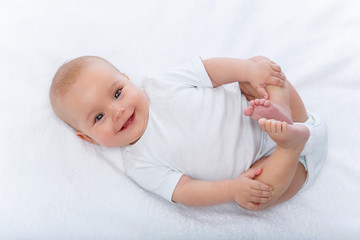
118, 112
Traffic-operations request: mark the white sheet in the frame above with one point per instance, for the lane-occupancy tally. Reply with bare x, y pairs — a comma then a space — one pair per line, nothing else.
53, 186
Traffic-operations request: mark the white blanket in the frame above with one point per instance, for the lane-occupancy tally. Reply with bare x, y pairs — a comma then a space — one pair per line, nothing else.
54, 186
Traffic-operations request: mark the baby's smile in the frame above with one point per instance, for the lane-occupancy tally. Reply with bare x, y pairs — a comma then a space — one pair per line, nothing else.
128, 123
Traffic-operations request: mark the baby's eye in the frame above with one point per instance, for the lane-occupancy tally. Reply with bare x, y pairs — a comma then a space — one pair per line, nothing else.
117, 93
99, 117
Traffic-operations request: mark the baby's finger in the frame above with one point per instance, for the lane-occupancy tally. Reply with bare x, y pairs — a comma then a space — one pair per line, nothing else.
276, 67
256, 185
253, 206
262, 91
279, 75
261, 193
283, 76
261, 200
275, 81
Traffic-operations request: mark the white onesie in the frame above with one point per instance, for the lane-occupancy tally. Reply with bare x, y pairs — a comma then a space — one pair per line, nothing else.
193, 129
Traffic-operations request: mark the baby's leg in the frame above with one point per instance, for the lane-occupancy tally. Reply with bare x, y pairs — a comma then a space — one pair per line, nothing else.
282, 170
296, 183
291, 176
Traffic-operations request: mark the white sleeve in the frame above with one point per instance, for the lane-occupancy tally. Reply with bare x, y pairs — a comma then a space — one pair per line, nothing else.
154, 178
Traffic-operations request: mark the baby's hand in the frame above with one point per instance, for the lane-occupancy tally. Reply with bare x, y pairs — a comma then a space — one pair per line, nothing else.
249, 193
263, 72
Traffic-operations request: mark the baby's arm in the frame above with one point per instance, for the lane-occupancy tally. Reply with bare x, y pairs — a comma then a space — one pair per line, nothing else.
258, 71
245, 191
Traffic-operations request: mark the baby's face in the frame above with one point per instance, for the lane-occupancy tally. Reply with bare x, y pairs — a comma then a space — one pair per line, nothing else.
106, 107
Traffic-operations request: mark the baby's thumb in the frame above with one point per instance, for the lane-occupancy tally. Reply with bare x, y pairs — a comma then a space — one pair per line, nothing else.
262, 91
253, 172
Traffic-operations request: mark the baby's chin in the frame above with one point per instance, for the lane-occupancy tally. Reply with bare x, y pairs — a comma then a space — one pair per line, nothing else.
113, 145
109, 143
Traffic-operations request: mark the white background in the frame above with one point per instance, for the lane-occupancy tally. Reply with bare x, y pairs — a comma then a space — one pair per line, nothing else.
53, 186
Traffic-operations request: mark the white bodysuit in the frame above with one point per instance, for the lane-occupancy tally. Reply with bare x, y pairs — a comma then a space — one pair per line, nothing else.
193, 129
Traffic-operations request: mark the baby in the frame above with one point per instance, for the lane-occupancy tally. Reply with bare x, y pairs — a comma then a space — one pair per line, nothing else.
207, 132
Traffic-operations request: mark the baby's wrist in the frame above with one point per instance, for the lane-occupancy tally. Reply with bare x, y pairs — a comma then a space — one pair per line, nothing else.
249, 70
231, 190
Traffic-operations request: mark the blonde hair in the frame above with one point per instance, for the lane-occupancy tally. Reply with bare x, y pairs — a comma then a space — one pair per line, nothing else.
65, 77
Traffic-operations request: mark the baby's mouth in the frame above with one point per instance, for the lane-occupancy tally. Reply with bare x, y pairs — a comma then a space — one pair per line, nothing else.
128, 122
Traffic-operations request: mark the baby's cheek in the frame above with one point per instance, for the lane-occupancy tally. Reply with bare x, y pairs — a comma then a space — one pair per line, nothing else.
105, 139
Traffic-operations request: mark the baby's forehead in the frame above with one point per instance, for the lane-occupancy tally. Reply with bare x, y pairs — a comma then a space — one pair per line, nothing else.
96, 78
99, 68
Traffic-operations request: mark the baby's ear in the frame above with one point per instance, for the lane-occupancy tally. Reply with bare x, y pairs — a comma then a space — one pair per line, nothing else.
85, 137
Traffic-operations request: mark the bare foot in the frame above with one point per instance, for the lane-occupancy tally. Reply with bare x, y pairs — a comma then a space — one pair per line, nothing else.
262, 108
286, 136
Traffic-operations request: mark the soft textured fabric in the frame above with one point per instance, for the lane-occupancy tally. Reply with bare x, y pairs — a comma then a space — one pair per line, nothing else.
193, 129
55, 186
